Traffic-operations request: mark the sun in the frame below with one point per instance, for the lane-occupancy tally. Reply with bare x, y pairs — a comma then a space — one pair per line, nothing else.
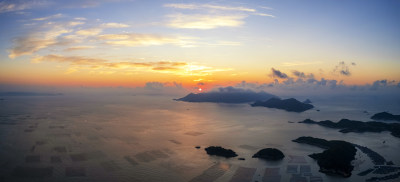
200, 89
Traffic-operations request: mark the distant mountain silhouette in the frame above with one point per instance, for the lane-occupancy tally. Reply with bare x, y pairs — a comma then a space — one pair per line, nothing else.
28, 94
291, 105
227, 95
347, 126
385, 116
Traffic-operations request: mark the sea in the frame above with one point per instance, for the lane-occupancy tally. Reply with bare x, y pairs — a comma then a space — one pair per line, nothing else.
153, 138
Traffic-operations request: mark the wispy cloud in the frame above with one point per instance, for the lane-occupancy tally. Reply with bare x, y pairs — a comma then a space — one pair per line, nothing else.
264, 14
99, 65
200, 21
209, 6
55, 35
114, 25
59, 15
266, 7
18, 5
76, 48
89, 32
209, 16
134, 39
47, 35
75, 23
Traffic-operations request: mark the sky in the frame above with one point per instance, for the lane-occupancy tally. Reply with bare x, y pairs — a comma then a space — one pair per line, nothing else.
199, 44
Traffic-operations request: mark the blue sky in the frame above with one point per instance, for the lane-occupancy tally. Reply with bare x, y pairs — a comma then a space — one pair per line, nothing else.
215, 42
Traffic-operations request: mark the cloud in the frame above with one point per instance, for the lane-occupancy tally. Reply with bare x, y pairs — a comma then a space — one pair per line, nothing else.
300, 87
35, 41
343, 69
382, 83
279, 74
51, 36
135, 39
209, 6
75, 60
47, 35
160, 88
266, 7
106, 66
76, 48
210, 16
264, 14
44, 35
75, 23
114, 25
19, 5
154, 85
299, 74
201, 21
302, 75
231, 89
89, 32
59, 15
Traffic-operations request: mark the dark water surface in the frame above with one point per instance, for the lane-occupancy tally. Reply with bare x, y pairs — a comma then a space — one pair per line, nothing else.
153, 138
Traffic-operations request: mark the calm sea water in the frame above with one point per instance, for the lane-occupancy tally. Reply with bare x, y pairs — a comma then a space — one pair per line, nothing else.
153, 138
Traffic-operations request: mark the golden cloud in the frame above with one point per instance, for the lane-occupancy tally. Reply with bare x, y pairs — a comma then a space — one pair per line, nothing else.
76, 48
102, 65
134, 39
89, 32
199, 21
36, 41
114, 25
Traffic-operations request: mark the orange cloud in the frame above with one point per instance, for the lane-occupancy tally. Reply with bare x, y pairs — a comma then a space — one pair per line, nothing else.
98, 65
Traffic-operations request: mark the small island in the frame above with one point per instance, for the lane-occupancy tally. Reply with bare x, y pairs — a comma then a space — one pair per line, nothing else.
291, 105
219, 151
336, 159
269, 154
347, 126
385, 116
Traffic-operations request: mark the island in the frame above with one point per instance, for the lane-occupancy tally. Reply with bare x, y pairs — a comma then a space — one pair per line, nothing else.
269, 154
335, 159
227, 95
219, 151
385, 116
291, 105
346, 126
